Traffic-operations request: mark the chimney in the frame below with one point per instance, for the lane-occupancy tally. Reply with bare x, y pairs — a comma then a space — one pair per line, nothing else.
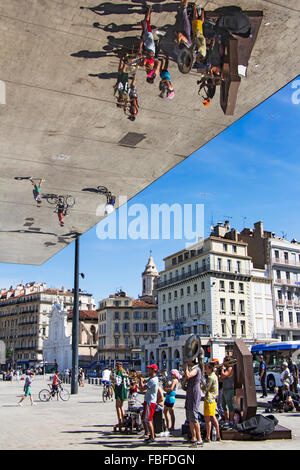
259, 230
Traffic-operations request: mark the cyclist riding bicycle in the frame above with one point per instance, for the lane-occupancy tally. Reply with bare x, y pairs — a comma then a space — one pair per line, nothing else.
55, 383
106, 374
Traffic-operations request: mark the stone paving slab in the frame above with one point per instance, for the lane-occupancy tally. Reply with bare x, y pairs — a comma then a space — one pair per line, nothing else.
85, 423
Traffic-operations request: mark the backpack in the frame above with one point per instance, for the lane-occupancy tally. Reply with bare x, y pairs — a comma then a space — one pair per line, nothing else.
258, 427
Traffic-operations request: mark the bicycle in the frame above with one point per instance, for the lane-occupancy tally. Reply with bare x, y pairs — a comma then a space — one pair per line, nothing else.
67, 201
47, 394
105, 392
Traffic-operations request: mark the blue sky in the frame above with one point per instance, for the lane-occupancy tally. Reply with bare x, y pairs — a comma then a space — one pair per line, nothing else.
250, 172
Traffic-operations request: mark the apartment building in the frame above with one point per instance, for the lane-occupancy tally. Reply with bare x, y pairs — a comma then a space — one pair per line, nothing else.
124, 324
24, 318
283, 262
204, 290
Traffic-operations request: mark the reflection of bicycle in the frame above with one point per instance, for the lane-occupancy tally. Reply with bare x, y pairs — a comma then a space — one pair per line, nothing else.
107, 392
47, 394
67, 201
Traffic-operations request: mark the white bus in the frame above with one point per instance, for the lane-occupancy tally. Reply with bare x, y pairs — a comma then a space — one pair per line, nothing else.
274, 355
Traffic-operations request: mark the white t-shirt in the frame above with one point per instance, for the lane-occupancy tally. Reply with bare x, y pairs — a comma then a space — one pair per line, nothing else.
106, 375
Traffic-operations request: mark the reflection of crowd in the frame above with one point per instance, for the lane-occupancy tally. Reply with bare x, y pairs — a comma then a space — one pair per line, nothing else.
199, 43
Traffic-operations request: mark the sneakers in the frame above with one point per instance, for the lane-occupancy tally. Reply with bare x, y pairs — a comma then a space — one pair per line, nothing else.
149, 440
20, 404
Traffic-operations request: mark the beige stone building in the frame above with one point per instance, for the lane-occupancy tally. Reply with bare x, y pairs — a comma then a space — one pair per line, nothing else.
204, 290
24, 318
124, 325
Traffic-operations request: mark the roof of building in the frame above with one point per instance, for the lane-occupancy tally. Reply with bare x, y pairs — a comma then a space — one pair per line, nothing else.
85, 315
140, 303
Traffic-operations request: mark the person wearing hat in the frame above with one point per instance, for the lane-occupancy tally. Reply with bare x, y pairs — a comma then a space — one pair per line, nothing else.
120, 392
170, 399
151, 388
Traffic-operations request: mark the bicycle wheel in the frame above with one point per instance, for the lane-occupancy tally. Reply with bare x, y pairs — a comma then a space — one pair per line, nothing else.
64, 394
70, 201
102, 189
105, 395
52, 198
44, 395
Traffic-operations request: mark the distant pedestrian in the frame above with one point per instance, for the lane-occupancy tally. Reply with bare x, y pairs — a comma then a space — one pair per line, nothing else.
295, 374
27, 389
228, 390
263, 376
37, 191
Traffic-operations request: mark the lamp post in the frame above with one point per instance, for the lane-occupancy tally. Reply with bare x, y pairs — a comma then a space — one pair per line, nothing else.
75, 322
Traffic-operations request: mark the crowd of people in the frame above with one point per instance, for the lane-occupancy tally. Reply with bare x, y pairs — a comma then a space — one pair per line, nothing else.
198, 43
215, 386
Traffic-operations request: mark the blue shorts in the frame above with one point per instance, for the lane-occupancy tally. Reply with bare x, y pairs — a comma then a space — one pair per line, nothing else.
106, 382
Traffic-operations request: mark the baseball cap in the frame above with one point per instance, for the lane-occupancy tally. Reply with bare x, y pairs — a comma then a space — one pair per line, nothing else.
153, 366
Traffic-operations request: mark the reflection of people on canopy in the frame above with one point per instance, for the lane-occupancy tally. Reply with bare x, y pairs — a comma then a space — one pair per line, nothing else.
147, 48
208, 85
133, 100
165, 84
61, 210
121, 87
37, 191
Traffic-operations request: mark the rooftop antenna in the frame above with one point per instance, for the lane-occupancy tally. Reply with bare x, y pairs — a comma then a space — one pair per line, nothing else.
244, 220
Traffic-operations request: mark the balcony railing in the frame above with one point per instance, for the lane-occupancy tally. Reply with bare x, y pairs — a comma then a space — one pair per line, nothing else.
200, 270
285, 262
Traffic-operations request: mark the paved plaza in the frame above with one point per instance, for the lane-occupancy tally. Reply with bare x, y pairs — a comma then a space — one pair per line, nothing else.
85, 423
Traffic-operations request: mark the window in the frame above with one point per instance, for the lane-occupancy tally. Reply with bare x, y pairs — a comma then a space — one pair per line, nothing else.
137, 315
176, 312
243, 328
137, 340
145, 316
170, 297
164, 297
232, 306
222, 286
117, 329
170, 314
202, 286
241, 288
116, 342
276, 254
281, 316
188, 290
291, 317
153, 315
225, 246
233, 327
196, 267
175, 294
231, 286
219, 264
196, 307
203, 305
222, 305
242, 306
228, 265
238, 266
195, 288
126, 316
164, 315
126, 327
278, 274
223, 327
286, 256
145, 327
189, 309
181, 293
182, 310
136, 327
